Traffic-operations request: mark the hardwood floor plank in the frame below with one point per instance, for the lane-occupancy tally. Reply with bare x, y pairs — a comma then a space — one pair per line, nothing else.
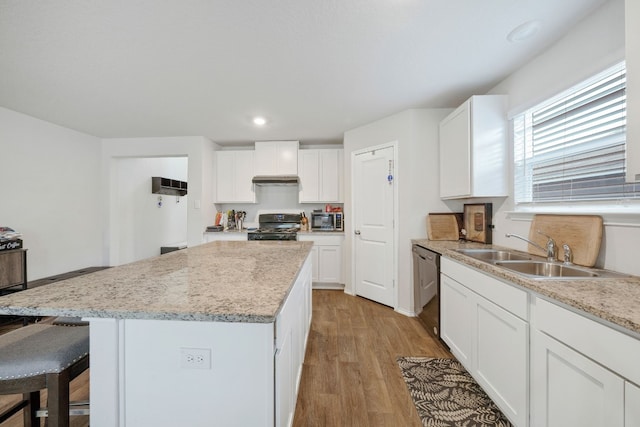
371, 389
353, 399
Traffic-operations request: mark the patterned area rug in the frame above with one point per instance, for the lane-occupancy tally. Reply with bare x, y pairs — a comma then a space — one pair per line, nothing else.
446, 395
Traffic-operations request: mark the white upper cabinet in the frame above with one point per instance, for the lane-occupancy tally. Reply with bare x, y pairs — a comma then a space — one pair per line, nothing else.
276, 158
473, 149
632, 46
320, 173
234, 172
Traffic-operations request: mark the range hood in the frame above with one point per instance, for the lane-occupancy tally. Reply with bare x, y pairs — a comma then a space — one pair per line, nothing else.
275, 180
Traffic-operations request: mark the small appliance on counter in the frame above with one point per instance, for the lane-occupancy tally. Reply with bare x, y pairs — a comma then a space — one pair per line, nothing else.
327, 221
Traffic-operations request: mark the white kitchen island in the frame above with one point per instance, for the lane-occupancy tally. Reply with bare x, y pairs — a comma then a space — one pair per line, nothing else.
207, 336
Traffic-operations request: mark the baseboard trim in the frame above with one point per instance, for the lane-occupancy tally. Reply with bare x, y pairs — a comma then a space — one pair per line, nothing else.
330, 286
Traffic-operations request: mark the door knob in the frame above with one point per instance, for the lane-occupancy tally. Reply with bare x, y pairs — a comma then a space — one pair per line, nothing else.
357, 232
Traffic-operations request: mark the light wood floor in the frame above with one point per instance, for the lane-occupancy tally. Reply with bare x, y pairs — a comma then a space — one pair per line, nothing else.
350, 375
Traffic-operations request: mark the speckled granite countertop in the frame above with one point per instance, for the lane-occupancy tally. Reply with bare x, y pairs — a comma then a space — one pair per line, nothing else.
614, 300
218, 281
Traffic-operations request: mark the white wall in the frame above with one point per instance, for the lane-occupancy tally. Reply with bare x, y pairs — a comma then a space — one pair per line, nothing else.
51, 193
200, 208
144, 226
417, 182
594, 44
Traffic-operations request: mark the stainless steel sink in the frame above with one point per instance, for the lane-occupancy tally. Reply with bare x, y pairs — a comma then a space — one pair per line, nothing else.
536, 267
546, 269
493, 254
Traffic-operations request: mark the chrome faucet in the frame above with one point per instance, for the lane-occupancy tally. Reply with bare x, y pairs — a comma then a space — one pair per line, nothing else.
568, 255
550, 249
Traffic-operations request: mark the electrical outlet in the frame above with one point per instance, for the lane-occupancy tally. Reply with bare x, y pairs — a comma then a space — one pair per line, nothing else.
195, 358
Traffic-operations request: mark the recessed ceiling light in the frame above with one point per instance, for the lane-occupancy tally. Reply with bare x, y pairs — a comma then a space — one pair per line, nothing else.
259, 121
524, 31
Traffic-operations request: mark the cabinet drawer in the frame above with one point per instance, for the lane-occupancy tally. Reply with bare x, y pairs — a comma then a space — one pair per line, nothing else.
12, 268
506, 296
611, 348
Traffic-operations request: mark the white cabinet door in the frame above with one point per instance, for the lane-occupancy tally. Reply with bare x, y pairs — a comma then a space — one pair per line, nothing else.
276, 157
501, 350
320, 173
632, 47
473, 149
309, 174
492, 343
570, 390
225, 174
631, 405
292, 328
456, 318
331, 176
455, 153
234, 172
326, 256
330, 264
316, 263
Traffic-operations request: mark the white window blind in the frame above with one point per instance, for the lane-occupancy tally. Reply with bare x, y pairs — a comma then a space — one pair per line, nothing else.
573, 146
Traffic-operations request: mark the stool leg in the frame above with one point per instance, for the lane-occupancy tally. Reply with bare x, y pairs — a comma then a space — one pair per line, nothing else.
29, 411
58, 389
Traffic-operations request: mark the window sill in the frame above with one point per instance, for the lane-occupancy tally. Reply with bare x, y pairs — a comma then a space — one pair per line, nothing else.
627, 215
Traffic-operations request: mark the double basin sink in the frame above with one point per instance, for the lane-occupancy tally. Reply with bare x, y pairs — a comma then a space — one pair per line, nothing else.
536, 267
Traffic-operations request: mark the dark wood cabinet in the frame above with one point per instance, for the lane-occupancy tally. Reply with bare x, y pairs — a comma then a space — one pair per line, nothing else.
13, 269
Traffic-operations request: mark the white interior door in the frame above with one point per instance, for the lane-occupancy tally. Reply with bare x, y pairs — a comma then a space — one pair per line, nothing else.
373, 205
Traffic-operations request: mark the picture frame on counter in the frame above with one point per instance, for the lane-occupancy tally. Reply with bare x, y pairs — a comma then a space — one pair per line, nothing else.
478, 223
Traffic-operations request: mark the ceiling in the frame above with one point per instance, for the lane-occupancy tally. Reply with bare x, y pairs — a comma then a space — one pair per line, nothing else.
313, 68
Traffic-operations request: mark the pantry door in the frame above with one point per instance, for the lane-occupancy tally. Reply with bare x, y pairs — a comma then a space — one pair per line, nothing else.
374, 209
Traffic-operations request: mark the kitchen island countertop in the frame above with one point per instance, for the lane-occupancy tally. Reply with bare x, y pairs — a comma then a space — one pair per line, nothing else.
218, 281
614, 300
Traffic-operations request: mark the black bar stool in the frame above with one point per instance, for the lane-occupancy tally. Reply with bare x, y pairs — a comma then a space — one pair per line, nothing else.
38, 357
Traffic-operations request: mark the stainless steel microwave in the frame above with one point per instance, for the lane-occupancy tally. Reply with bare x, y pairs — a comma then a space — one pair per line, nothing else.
327, 221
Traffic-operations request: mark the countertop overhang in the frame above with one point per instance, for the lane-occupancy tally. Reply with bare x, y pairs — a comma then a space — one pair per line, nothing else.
219, 281
613, 300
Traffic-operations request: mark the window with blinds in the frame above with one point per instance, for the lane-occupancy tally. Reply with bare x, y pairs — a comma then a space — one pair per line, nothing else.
572, 147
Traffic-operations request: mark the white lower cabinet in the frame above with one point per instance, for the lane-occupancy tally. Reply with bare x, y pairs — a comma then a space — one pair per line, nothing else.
491, 342
456, 319
583, 373
631, 405
562, 369
292, 328
570, 390
500, 349
326, 257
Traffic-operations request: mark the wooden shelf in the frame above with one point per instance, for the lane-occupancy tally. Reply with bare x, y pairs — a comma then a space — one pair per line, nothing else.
171, 187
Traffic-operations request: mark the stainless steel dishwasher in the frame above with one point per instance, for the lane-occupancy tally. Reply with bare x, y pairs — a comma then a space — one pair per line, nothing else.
426, 280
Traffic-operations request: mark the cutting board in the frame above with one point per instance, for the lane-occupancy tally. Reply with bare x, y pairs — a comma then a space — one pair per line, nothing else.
444, 226
583, 234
